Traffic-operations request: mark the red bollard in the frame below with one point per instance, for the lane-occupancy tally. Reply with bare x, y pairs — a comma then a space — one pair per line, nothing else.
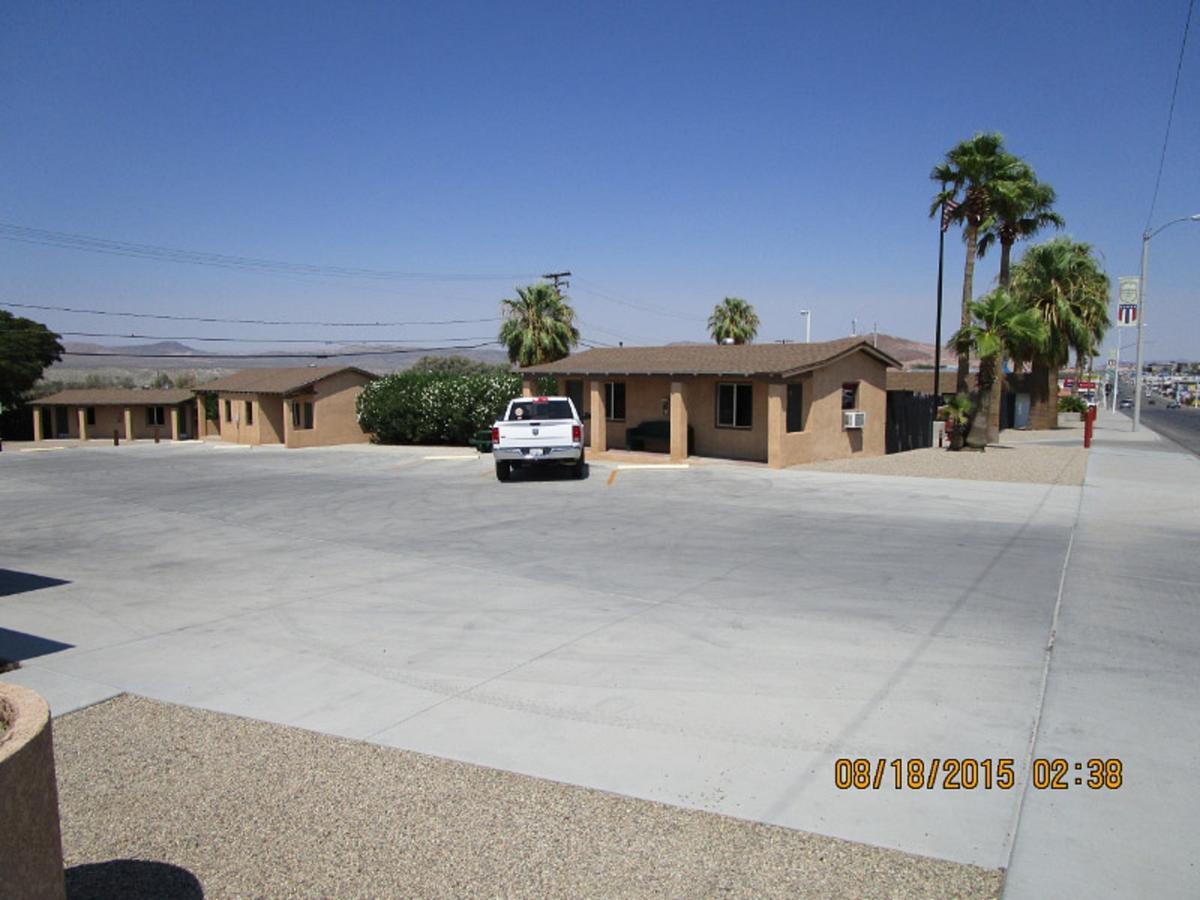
1088, 424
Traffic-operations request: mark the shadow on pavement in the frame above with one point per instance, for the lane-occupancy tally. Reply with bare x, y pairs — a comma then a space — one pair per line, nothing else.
132, 879
12, 582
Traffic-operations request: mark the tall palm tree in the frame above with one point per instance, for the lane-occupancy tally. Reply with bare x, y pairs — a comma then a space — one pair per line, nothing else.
733, 319
1021, 207
968, 176
539, 326
1064, 284
999, 327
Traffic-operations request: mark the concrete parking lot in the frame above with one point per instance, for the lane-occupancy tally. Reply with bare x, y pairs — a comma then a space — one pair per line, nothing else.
714, 637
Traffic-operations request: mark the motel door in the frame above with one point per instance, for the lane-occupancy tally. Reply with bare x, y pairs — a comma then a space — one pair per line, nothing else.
62, 428
47, 422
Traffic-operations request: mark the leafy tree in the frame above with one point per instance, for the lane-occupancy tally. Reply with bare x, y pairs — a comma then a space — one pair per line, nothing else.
969, 176
999, 327
733, 319
161, 380
454, 365
539, 326
27, 348
1064, 284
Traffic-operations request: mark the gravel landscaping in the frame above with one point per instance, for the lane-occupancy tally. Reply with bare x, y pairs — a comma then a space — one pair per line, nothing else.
1024, 462
161, 800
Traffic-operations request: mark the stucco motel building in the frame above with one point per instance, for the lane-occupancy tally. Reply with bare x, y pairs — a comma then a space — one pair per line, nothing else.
307, 406
130, 414
782, 404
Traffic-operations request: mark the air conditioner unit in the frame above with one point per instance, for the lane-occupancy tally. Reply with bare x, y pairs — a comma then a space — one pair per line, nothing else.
853, 418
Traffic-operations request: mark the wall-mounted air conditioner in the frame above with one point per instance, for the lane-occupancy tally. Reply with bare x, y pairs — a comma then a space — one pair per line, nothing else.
854, 418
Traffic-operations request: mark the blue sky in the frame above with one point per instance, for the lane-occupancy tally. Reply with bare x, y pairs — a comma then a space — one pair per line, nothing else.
668, 154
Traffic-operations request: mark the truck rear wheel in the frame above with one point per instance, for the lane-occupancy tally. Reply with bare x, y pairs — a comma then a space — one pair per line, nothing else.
580, 466
503, 470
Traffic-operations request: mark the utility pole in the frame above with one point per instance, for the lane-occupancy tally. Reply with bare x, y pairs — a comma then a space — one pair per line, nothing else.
559, 279
807, 313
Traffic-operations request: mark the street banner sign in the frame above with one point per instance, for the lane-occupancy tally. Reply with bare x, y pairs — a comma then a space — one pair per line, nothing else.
1129, 288
1127, 314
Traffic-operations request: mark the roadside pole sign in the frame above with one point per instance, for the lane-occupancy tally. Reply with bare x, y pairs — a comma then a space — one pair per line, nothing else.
1127, 307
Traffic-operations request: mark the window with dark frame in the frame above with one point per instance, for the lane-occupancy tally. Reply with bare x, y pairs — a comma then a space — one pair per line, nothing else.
795, 407
614, 401
850, 395
249, 412
302, 415
735, 405
90, 415
155, 416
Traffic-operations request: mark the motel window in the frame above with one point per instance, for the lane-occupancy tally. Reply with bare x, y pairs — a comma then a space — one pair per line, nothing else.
302, 415
90, 415
575, 392
795, 407
155, 416
735, 403
249, 412
614, 401
228, 410
850, 395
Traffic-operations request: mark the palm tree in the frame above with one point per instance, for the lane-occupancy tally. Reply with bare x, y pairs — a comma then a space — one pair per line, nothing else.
733, 320
1021, 207
999, 327
1064, 284
539, 326
968, 177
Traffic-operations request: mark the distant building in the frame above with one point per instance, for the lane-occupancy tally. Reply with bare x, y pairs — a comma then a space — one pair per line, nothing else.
296, 407
130, 414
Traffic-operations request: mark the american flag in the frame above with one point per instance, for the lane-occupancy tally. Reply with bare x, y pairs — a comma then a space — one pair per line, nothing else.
948, 208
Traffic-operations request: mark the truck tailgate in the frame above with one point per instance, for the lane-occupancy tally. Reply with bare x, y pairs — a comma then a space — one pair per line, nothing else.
548, 433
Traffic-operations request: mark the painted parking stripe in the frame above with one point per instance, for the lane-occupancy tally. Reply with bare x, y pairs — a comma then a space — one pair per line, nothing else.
457, 456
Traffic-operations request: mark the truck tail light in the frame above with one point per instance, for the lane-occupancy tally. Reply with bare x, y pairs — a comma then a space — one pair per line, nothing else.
577, 433
495, 435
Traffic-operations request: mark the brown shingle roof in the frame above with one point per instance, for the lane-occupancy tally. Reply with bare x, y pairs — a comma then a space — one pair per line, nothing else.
115, 397
276, 381
710, 359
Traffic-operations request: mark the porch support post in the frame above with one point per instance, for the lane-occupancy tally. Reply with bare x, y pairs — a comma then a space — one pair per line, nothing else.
679, 423
174, 423
776, 422
82, 413
599, 420
37, 424
201, 418
528, 385
128, 424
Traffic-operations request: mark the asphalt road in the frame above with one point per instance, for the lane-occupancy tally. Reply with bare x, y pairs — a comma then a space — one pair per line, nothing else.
1180, 425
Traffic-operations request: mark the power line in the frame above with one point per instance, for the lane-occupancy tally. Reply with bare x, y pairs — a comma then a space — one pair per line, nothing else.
174, 318
203, 356
1170, 113
68, 241
244, 340
638, 306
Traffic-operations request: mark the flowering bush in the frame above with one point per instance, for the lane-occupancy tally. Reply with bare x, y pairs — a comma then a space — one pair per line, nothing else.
425, 408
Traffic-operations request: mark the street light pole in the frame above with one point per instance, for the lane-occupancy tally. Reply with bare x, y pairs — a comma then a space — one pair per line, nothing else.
807, 313
1141, 312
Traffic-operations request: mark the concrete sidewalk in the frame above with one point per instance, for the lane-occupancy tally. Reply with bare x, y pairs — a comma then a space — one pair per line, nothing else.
1124, 683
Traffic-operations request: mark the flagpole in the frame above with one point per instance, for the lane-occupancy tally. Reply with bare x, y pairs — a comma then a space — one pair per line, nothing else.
937, 330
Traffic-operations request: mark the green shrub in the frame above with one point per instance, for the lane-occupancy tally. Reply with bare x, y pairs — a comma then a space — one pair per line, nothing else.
1071, 403
426, 408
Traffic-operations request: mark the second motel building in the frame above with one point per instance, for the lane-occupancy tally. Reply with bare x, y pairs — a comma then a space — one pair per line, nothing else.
782, 404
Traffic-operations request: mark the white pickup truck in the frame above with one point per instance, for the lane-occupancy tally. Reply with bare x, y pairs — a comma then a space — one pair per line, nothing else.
538, 431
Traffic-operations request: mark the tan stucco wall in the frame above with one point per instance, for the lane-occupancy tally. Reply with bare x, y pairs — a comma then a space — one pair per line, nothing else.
31, 859
823, 436
335, 418
267, 427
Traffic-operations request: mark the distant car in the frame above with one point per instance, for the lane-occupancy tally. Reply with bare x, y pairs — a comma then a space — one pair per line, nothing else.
1126, 404
1151, 401
1174, 404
